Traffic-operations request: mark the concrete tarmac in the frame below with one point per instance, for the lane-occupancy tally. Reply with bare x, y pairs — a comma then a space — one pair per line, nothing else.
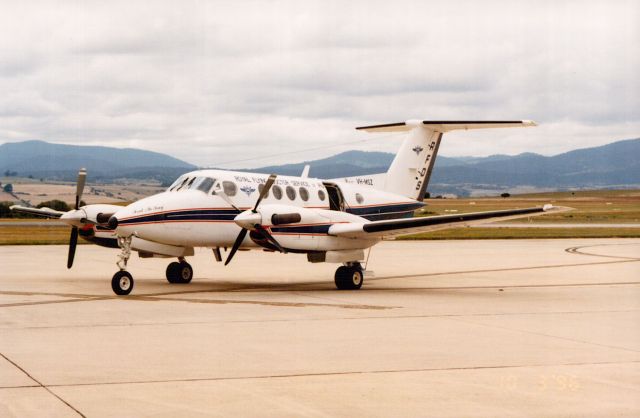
445, 328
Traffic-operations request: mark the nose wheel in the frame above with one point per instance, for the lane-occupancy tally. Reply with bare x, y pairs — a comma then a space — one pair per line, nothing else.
349, 277
181, 272
122, 283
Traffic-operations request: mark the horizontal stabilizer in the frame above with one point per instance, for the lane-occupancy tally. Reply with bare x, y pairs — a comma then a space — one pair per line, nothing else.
446, 125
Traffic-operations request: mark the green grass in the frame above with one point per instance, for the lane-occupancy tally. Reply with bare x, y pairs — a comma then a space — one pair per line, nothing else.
35, 235
599, 206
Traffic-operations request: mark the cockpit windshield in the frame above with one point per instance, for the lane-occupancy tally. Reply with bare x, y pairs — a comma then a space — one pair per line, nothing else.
203, 184
178, 183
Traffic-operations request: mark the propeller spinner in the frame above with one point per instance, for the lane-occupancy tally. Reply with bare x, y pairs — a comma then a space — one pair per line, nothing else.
251, 220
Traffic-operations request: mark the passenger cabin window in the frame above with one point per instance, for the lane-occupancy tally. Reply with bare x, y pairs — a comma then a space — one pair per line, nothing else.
321, 195
359, 198
304, 193
229, 188
277, 192
291, 193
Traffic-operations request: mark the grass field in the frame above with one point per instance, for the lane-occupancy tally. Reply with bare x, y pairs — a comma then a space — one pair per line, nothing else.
589, 207
34, 235
601, 207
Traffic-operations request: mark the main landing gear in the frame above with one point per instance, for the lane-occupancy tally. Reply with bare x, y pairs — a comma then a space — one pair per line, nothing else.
179, 272
349, 276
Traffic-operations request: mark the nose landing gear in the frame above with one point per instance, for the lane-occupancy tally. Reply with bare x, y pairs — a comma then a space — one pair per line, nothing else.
122, 281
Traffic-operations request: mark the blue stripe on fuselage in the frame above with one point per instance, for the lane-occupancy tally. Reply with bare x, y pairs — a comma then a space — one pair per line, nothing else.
372, 213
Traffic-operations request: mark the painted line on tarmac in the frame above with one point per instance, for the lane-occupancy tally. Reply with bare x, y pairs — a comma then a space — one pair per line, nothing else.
578, 250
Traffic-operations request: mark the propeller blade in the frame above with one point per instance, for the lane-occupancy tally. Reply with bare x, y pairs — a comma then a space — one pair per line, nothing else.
73, 241
236, 245
266, 235
265, 190
82, 178
244, 231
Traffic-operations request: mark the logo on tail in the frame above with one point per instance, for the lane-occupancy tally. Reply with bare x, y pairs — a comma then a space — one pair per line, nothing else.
418, 149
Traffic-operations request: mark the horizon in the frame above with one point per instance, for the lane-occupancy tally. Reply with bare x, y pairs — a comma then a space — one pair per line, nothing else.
254, 166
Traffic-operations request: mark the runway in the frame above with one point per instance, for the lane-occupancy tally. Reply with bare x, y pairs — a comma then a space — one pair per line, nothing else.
444, 328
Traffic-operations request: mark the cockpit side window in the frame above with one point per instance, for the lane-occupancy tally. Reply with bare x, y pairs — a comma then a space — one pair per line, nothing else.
201, 183
205, 184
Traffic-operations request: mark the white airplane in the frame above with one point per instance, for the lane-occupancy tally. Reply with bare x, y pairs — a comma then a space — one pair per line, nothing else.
332, 221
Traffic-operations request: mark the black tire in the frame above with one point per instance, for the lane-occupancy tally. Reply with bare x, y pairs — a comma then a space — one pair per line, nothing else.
122, 283
185, 273
173, 272
349, 278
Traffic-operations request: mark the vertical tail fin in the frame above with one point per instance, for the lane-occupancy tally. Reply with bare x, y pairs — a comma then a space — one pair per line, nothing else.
411, 168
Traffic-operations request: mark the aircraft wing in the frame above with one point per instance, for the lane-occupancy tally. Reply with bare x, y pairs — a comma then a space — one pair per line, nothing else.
46, 212
395, 227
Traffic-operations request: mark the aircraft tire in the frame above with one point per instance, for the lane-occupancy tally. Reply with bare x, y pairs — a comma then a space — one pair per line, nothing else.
122, 283
173, 271
349, 278
185, 273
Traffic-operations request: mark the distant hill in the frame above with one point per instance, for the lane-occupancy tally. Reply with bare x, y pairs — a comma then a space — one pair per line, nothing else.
346, 164
613, 165
59, 161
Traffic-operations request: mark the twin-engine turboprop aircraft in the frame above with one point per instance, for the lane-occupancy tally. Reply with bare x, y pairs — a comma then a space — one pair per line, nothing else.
331, 221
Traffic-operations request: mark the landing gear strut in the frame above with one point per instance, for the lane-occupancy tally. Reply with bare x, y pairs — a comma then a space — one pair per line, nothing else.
181, 272
349, 277
122, 281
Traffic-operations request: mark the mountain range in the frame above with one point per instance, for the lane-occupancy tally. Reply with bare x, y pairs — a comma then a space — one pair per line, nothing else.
612, 165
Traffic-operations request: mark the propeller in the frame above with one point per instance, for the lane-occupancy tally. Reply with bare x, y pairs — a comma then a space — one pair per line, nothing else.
73, 239
250, 220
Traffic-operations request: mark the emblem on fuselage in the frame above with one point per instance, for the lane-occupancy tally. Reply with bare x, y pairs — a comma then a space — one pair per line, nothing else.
418, 149
248, 190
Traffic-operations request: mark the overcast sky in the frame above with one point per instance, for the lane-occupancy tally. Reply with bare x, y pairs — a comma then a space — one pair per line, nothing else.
258, 83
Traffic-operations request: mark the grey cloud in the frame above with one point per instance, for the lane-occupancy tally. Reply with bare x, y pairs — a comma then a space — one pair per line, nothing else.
229, 81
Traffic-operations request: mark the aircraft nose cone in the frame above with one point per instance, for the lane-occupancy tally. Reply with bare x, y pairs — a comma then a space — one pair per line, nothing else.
113, 222
248, 219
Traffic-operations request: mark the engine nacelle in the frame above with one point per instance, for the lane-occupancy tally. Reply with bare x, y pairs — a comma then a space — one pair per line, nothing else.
278, 215
99, 213
300, 229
